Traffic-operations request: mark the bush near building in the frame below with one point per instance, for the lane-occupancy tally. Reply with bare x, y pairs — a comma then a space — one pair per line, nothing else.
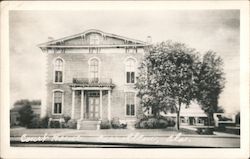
105, 124
116, 124
72, 124
37, 122
154, 122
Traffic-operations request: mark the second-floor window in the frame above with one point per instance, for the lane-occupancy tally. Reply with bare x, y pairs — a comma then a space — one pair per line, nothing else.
58, 71
130, 70
94, 70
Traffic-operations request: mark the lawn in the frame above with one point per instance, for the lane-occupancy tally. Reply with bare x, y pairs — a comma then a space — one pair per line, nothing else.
17, 132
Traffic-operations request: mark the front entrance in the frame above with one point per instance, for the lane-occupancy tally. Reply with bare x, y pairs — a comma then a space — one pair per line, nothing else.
93, 106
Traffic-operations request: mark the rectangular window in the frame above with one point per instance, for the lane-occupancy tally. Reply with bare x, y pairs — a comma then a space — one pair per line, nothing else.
130, 104
130, 77
58, 76
57, 102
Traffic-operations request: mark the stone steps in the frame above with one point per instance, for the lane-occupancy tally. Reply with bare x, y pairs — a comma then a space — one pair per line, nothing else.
87, 125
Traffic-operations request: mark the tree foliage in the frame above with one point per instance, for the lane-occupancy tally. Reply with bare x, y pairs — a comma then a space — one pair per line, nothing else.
172, 75
26, 115
210, 81
165, 80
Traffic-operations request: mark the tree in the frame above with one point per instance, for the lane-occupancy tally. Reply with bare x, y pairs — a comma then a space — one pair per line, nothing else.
22, 102
209, 81
165, 80
26, 114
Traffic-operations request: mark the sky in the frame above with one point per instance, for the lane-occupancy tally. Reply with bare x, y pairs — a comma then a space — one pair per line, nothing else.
217, 30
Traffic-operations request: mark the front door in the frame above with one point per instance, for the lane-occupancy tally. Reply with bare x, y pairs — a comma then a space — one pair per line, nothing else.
93, 106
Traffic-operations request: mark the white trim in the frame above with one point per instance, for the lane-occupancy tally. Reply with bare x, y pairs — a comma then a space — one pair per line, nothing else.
73, 105
47, 44
130, 57
94, 46
53, 92
63, 70
82, 104
109, 104
100, 111
58, 90
91, 88
125, 95
99, 66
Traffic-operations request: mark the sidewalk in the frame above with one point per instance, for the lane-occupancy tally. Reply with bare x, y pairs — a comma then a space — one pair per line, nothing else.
121, 137
184, 131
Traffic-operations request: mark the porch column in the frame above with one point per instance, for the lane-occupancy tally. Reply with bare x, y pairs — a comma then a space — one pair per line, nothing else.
73, 105
82, 99
109, 105
101, 104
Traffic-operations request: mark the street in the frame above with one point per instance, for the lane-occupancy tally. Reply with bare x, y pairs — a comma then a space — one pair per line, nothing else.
121, 138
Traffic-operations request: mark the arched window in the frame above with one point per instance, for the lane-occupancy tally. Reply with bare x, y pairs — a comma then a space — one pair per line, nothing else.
94, 70
57, 102
130, 70
58, 71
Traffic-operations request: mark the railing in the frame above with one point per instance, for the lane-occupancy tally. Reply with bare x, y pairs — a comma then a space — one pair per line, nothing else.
92, 80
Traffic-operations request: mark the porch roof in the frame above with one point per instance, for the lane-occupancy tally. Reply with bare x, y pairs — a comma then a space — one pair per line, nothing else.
90, 83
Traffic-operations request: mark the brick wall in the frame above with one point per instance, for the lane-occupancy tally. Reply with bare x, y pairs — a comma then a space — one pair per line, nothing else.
112, 66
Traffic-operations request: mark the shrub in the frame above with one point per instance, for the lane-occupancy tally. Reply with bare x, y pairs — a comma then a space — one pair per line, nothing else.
205, 131
54, 124
155, 123
116, 124
137, 125
171, 122
66, 118
105, 124
35, 123
152, 123
143, 124
26, 115
39, 123
44, 122
162, 123
72, 124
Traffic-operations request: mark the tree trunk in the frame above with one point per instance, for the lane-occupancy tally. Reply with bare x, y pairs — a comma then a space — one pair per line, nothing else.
178, 120
178, 116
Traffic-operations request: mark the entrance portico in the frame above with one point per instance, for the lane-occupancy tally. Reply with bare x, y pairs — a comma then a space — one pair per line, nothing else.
91, 103
91, 99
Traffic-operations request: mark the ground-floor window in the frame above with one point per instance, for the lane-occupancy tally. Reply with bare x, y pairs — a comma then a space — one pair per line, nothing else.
130, 103
57, 102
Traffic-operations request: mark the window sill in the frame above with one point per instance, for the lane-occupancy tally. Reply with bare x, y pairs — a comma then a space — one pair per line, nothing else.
130, 116
58, 83
129, 84
57, 114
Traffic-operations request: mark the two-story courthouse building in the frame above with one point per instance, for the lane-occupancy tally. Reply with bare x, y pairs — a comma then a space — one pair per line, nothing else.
91, 76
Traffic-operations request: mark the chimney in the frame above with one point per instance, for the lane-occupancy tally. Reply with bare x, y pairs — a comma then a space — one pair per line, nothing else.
50, 38
149, 39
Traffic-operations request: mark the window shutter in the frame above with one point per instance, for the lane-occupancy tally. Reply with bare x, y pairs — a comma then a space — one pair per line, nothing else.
128, 77
132, 77
132, 109
128, 110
